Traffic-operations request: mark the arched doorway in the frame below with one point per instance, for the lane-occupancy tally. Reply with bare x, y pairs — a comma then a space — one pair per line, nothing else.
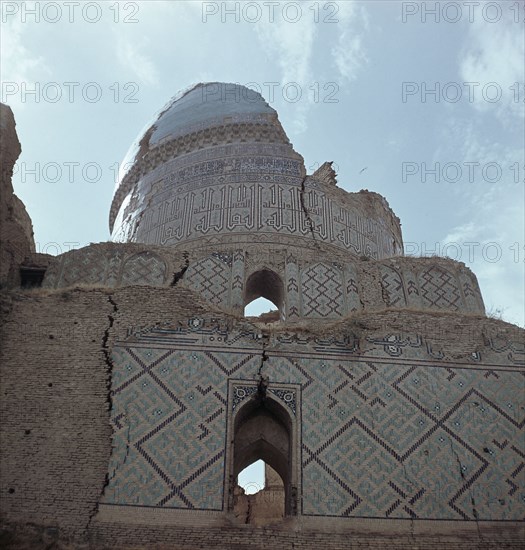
263, 430
265, 283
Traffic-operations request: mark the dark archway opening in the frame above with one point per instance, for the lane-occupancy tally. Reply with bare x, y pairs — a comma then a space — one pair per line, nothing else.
265, 284
263, 432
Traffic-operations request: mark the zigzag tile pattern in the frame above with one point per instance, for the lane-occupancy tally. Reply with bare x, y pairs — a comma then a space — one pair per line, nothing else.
168, 416
142, 268
439, 289
388, 426
211, 278
322, 291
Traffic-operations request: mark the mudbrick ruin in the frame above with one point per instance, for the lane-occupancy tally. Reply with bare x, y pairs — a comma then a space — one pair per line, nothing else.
388, 408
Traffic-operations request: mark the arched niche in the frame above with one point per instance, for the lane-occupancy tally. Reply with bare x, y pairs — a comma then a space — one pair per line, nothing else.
264, 429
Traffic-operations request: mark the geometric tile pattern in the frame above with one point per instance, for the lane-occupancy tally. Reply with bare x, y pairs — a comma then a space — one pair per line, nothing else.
241, 392
105, 266
412, 290
410, 442
322, 291
210, 277
352, 291
293, 304
168, 417
91, 267
471, 293
238, 267
430, 288
143, 268
390, 428
392, 283
439, 289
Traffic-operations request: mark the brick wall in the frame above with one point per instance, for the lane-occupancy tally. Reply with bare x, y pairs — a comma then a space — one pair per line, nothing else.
61, 349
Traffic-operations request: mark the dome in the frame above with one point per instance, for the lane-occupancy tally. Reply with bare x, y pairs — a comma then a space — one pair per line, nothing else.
215, 169
200, 106
201, 117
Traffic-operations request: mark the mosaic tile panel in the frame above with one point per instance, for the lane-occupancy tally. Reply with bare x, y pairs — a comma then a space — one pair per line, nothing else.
322, 291
352, 290
430, 288
393, 288
169, 417
413, 297
96, 265
210, 277
471, 293
293, 296
237, 290
144, 268
242, 391
409, 442
390, 428
89, 266
439, 289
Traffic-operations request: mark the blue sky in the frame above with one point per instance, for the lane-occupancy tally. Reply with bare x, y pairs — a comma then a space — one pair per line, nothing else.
352, 82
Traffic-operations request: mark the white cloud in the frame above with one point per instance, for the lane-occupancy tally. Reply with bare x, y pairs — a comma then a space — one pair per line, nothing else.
349, 54
19, 66
494, 53
490, 240
495, 254
131, 58
292, 45
496, 162
292, 42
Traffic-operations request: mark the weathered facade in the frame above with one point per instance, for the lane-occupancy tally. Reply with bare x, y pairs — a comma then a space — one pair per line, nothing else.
134, 390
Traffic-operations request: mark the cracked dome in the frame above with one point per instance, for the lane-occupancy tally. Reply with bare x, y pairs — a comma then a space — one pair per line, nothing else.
215, 168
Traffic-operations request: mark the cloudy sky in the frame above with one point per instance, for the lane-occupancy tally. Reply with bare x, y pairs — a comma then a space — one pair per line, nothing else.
422, 102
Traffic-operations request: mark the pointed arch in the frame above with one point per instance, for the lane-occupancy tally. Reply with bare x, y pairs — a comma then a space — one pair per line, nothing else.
267, 284
263, 429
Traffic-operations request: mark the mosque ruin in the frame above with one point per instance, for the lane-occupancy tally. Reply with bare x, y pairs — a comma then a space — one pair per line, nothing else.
389, 409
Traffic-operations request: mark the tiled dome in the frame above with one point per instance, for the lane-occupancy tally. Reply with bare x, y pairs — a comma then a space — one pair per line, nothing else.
216, 169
